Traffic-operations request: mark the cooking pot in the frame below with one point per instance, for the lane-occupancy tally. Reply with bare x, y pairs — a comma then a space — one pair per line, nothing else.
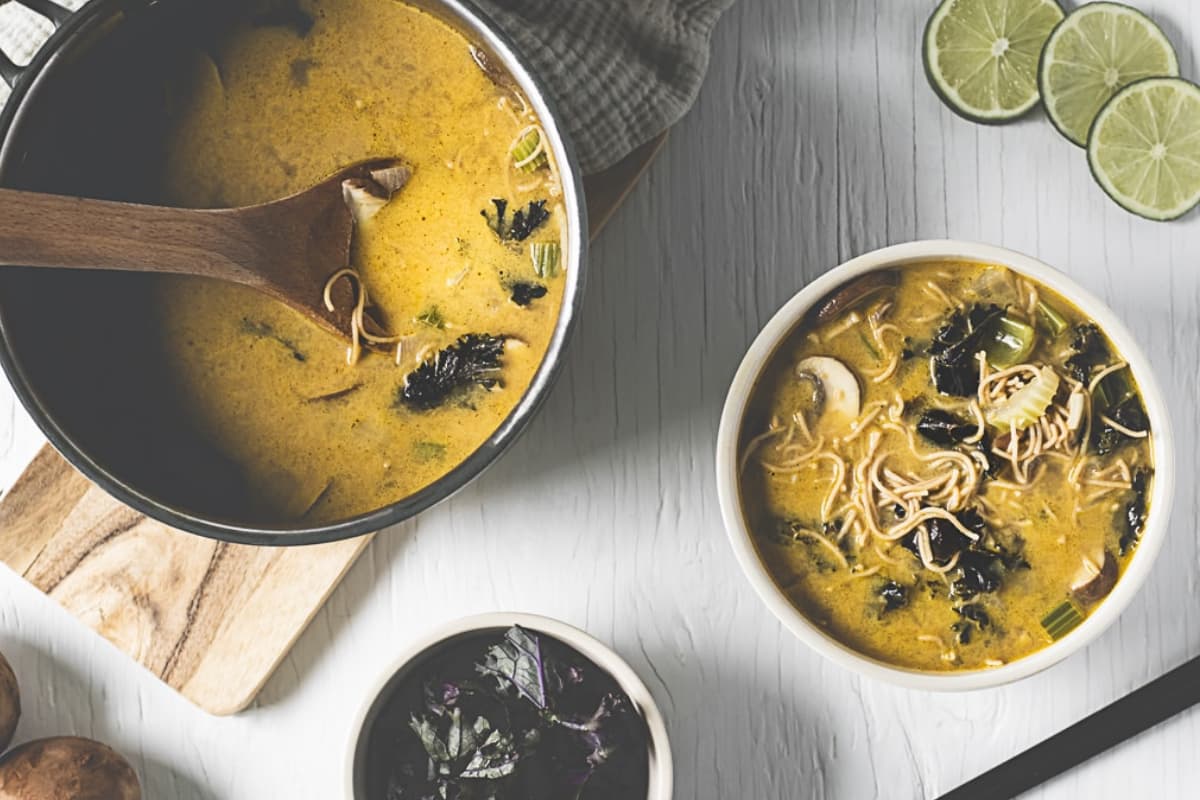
87, 117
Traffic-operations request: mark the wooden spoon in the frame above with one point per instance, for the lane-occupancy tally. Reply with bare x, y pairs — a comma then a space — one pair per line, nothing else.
287, 248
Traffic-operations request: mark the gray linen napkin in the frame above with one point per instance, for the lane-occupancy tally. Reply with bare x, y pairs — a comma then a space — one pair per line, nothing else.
620, 71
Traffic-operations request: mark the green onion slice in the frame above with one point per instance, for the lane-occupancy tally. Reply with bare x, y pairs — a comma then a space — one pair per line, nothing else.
870, 347
1062, 620
1010, 343
1114, 389
1055, 322
528, 152
546, 257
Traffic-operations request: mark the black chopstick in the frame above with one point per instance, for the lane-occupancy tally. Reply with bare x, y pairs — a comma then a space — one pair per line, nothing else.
1158, 700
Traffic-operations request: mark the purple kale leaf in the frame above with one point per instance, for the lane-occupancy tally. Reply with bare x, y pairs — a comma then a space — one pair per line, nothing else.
517, 662
465, 760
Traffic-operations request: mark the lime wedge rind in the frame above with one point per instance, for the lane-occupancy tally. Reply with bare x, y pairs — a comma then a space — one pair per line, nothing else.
1143, 149
1072, 84
967, 50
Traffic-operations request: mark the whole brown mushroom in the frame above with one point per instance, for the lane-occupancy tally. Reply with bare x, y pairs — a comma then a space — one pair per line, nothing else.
10, 703
67, 768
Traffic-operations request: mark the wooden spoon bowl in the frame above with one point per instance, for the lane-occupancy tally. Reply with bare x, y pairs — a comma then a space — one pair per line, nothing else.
287, 248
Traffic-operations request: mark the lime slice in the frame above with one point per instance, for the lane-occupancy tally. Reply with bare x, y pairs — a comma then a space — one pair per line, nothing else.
981, 56
1094, 53
1144, 148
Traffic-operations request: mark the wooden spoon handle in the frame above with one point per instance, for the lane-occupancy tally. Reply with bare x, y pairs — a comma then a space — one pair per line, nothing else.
46, 230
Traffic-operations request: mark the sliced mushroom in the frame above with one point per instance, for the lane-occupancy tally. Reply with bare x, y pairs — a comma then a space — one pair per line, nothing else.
1075, 408
366, 196
836, 392
1095, 578
857, 293
392, 179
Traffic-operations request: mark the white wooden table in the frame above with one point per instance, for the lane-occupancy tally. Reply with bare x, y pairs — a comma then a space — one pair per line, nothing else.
816, 138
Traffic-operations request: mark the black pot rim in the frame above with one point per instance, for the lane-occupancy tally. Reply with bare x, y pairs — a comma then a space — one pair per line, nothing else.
478, 29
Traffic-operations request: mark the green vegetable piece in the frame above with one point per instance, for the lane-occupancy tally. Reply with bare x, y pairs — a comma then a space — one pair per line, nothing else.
429, 451
1062, 620
432, 317
867, 344
1055, 322
1009, 342
546, 257
1114, 390
528, 153
1026, 405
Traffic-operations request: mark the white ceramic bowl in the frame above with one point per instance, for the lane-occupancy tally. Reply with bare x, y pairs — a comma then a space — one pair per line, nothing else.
661, 771
778, 329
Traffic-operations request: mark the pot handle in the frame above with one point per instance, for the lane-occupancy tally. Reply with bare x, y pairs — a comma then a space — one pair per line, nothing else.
56, 14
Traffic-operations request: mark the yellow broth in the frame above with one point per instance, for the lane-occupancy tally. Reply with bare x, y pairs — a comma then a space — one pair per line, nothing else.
271, 109
799, 506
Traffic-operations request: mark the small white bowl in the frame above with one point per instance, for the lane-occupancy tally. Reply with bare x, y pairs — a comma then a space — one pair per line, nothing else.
661, 779
777, 331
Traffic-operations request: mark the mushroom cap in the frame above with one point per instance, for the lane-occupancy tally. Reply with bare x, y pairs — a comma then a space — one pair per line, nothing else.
856, 293
841, 396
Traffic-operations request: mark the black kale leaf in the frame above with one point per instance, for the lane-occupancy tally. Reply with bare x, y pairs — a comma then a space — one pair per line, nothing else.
945, 539
975, 613
1129, 414
1133, 515
893, 595
944, 428
474, 360
961, 336
978, 573
523, 292
524, 222
1088, 350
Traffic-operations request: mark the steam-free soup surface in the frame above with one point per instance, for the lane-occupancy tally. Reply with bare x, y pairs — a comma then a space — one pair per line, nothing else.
285, 99
949, 468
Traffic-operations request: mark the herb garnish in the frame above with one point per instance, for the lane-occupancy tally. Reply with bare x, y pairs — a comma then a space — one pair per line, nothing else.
432, 317
429, 451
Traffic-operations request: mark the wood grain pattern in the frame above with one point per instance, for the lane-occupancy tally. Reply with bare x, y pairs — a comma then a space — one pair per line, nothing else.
212, 620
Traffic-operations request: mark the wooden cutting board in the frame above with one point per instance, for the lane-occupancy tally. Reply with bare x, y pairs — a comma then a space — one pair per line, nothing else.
210, 619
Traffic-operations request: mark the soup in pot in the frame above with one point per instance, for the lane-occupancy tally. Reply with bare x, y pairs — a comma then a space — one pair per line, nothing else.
462, 267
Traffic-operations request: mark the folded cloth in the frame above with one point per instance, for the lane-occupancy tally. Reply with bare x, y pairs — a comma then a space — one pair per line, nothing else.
620, 71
